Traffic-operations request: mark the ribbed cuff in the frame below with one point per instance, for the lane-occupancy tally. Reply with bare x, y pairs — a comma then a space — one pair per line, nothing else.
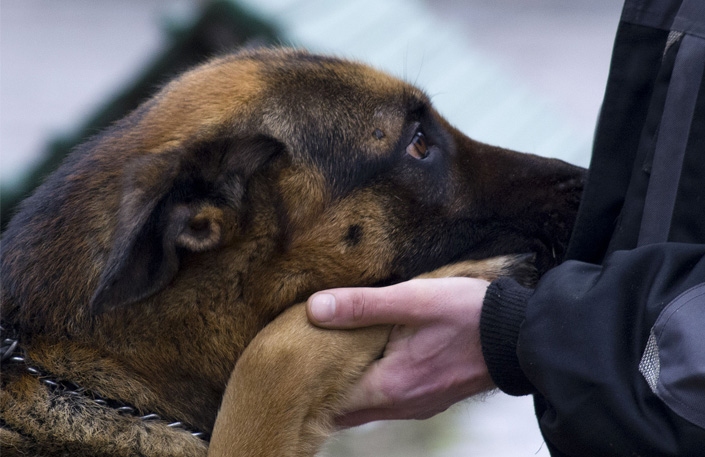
503, 312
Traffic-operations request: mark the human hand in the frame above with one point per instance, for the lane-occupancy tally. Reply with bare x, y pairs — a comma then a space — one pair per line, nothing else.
433, 358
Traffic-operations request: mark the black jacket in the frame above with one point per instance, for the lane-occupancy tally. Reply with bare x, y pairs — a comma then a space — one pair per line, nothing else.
612, 342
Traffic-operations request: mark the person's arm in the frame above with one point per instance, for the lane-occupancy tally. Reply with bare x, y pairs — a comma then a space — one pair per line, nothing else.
616, 353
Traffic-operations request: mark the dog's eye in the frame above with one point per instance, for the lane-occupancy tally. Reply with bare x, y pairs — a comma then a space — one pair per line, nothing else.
418, 148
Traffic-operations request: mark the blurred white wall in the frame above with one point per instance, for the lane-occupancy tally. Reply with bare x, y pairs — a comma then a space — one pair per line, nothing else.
559, 48
60, 60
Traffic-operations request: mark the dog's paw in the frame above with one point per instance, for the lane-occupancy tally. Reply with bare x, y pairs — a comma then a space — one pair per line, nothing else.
518, 266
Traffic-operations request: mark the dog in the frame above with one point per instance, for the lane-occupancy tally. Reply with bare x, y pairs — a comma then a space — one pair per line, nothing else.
156, 278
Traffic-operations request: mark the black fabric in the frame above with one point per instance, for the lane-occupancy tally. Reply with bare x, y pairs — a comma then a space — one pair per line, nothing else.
587, 325
676, 375
688, 226
674, 133
689, 18
580, 345
649, 52
504, 313
630, 89
655, 14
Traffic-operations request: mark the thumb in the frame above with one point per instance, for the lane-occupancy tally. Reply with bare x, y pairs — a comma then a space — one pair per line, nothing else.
343, 308
366, 306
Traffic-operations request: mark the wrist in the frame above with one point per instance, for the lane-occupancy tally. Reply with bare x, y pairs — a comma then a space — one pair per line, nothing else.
503, 312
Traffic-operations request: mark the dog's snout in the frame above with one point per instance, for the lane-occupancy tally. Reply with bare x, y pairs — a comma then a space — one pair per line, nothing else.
572, 183
562, 180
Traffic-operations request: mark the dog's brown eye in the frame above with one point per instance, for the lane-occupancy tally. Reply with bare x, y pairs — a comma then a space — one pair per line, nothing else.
418, 148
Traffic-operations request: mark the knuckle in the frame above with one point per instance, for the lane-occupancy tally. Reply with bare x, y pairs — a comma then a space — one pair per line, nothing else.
359, 304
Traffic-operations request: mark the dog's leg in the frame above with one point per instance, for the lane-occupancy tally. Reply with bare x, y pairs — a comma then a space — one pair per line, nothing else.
288, 385
292, 379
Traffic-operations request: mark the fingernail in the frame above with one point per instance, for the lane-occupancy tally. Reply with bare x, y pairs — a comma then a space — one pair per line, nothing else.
323, 307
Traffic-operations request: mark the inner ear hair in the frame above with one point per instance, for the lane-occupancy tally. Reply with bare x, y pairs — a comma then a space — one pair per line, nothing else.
199, 228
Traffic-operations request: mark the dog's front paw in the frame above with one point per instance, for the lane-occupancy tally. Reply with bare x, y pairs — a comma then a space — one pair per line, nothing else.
517, 266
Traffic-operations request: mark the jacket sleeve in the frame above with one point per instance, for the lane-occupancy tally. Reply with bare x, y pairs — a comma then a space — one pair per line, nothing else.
614, 354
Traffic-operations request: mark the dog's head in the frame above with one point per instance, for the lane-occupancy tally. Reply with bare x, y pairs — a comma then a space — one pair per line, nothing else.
250, 182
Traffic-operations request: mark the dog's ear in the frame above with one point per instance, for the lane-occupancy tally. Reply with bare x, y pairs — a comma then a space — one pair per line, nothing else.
174, 203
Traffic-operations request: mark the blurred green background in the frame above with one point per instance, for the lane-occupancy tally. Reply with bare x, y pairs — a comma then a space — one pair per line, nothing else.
524, 74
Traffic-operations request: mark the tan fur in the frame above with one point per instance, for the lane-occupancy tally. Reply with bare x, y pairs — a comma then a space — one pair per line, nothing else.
165, 246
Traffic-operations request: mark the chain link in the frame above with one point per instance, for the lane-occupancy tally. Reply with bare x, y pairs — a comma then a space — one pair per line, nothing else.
11, 354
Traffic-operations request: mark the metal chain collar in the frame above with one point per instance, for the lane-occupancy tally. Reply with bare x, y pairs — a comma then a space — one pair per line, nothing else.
11, 353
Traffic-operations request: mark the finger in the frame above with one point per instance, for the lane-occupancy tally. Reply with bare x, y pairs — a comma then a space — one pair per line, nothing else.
356, 418
365, 306
371, 399
371, 390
